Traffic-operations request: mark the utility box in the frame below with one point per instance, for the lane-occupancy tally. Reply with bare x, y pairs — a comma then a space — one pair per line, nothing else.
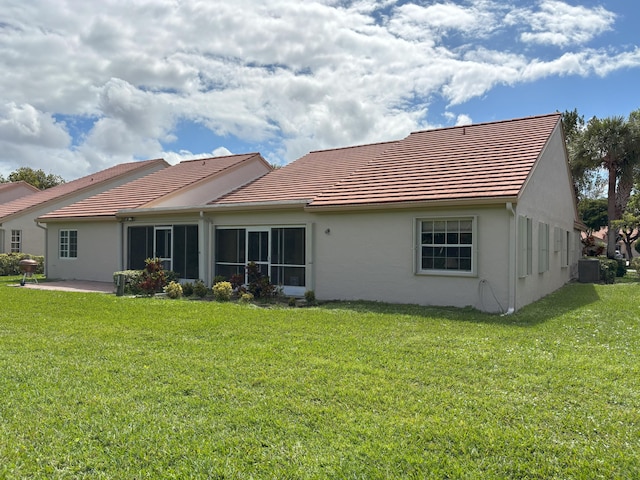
120, 283
589, 270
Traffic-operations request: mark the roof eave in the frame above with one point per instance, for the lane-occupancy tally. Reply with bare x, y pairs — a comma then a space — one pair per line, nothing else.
460, 202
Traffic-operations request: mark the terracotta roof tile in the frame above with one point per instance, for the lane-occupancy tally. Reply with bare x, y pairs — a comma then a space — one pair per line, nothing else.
42, 197
305, 178
475, 161
154, 186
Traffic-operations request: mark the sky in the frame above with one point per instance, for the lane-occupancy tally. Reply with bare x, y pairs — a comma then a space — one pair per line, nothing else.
87, 85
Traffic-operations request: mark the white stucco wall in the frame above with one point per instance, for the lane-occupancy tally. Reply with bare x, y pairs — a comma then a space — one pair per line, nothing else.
548, 198
99, 252
372, 255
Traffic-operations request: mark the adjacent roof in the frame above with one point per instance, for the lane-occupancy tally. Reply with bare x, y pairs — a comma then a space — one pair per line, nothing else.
140, 192
307, 177
42, 197
482, 161
489, 160
19, 184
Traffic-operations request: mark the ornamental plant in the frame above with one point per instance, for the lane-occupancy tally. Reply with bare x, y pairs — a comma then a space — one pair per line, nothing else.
222, 291
173, 290
153, 278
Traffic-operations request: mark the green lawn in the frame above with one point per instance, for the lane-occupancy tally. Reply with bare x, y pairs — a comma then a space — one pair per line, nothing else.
98, 386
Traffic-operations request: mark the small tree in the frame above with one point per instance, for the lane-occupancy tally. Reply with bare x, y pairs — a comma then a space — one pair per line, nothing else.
37, 178
594, 214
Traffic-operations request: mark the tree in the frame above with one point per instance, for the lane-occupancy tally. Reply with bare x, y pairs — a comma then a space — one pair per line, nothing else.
37, 178
593, 213
629, 224
609, 144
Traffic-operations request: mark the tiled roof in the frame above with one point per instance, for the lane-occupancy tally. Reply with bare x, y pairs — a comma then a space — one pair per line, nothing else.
154, 186
41, 198
488, 160
305, 178
20, 184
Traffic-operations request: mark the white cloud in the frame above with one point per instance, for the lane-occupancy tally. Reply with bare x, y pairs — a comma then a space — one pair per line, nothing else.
290, 76
558, 23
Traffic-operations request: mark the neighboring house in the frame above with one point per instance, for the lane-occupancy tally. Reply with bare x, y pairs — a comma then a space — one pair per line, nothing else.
12, 190
18, 229
481, 215
89, 240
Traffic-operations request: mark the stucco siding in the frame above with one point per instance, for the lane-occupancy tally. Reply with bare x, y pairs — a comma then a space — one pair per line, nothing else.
548, 198
98, 254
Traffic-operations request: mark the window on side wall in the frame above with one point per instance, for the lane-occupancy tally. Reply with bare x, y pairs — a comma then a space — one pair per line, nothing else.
16, 241
446, 246
68, 244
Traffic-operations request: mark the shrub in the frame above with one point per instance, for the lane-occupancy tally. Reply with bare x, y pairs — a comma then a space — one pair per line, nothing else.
635, 264
222, 291
621, 270
132, 279
292, 302
9, 263
200, 289
258, 284
173, 290
219, 278
310, 297
608, 269
153, 278
246, 297
187, 289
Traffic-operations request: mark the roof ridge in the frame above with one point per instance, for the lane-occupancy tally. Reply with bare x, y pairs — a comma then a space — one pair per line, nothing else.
248, 155
494, 122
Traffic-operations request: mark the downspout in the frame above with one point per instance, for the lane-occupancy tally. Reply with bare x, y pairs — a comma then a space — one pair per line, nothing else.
46, 247
122, 247
204, 244
511, 266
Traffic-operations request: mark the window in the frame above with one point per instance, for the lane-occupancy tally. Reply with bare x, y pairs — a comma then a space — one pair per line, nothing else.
16, 241
68, 244
230, 251
525, 241
288, 256
177, 246
446, 245
543, 247
279, 252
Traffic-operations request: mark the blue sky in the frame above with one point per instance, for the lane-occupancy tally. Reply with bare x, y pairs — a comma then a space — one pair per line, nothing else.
87, 85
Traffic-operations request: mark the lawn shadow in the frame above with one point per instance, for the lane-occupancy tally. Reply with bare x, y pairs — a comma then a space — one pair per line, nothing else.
571, 297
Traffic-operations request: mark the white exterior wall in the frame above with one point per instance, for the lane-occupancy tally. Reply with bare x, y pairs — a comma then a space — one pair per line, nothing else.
372, 256
99, 252
548, 198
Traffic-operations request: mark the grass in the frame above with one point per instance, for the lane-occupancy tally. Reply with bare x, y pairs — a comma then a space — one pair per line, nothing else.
98, 386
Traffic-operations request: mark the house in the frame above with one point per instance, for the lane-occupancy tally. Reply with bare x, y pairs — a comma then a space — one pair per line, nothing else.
18, 229
89, 240
12, 190
481, 215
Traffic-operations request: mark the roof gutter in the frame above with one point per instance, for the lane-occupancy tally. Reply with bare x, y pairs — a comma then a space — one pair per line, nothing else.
202, 209
455, 202
511, 266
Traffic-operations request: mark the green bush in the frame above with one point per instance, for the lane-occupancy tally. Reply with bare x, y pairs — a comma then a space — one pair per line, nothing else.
222, 291
621, 270
173, 290
187, 289
310, 297
608, 270
200, 289
9, 263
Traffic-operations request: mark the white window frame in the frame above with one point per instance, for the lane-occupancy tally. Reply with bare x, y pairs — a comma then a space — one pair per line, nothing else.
16, 241
66, 240
419, 270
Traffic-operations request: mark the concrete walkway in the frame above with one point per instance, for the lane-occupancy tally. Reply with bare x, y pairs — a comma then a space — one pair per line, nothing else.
71, 286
